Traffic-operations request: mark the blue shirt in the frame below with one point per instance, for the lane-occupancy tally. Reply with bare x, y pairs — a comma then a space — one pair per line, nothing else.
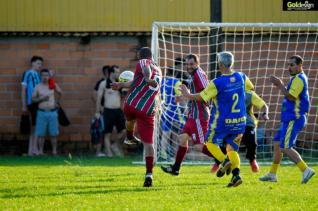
30, 79
298, 88
228, 93
169, 89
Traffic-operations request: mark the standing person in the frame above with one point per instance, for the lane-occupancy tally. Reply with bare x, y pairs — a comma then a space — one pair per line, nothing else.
249, 138
172, 118
111, 110
96, 142
47, 119
141, 105
295, 107
197, 122
30, 79
228, 124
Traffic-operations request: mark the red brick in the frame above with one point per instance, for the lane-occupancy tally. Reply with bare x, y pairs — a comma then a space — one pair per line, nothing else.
42, 46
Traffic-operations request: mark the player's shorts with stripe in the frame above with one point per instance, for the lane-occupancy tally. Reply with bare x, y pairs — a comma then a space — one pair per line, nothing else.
145, 123
196, 129
222, 138
288, 132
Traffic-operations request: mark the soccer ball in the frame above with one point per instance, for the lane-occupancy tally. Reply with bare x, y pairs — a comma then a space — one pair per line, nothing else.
126, 76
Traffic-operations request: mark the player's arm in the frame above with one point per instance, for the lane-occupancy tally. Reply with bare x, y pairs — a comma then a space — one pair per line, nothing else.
205, 95
99, 96
146, 71
260, 104
248, 84
280, 85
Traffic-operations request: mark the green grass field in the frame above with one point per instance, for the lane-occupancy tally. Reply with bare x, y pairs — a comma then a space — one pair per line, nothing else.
115, 184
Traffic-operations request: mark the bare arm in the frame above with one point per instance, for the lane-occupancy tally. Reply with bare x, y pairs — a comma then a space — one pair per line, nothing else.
280, 85
58, 91
146, 71
186, 94
264, 111
36, 98
23, 98
99, 96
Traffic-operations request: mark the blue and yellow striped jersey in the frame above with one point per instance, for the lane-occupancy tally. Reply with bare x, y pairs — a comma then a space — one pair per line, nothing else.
228, 93
298, 88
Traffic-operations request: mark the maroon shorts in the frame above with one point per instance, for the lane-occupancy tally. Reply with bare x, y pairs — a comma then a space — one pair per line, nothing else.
145, 123
196, 129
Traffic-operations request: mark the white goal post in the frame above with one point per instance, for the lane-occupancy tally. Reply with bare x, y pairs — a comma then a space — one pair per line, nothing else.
260, 50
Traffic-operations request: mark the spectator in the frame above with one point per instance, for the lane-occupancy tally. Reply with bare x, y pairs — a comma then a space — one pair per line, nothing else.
30, 79
47, 119
111, 110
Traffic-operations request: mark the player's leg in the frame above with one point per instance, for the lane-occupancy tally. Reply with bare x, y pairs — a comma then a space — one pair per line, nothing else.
182, 148
146, 127
271, 176
249, 138
130, 115
294, 127
232, 147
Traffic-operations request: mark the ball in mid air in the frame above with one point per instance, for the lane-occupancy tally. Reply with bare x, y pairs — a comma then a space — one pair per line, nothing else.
126, 76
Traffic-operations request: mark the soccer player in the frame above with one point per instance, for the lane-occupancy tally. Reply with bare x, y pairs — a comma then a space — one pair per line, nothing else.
228, 93
172, 118
295, 107
141, 106
198, 116
249, 138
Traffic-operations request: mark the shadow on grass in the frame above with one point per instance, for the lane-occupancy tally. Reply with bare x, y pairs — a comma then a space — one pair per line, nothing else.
102, 189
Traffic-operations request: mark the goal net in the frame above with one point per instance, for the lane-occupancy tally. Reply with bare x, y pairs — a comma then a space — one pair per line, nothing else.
260, 50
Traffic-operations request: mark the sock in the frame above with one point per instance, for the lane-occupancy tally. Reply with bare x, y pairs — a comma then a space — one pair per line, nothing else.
236, 171
182, 151
149, 165
206, 151
130, 129
274, 168
216, 151
235, 159
302, 165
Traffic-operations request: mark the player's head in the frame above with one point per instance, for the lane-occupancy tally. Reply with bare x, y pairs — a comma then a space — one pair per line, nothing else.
45, 75
192, 62
106, 70
36, 62
225, 60
295, 64
145, 53
178, 61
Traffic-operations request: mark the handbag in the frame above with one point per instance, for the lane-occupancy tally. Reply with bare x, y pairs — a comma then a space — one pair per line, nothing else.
62, 118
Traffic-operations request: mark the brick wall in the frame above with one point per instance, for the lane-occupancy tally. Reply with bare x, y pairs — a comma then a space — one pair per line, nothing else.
77, 66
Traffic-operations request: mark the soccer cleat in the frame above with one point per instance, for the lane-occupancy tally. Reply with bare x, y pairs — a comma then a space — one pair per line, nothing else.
269, 178
235, 181
132, 141
308, 173
254, 166
225, 167
148, 180
170, 170
215, 168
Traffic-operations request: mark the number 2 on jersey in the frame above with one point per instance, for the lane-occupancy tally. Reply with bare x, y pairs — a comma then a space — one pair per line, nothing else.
235, 97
